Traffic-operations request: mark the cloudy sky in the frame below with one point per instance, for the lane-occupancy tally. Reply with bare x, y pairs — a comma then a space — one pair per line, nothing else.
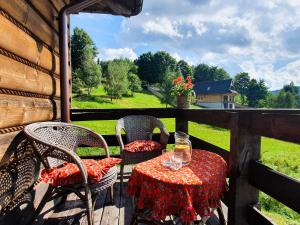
258, 37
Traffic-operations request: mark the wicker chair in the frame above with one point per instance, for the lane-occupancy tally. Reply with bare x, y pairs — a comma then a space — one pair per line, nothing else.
139, 127
55, 143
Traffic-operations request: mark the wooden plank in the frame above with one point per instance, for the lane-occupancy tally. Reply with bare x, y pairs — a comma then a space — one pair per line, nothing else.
219, 118
113, 114
24, 14
111, 211
244, 147
18, 76
47, 11
125, 204
99, 208
201, 144
5, 140
280, 126
22, 44
19, 110
265, 179
58, 4
256, 217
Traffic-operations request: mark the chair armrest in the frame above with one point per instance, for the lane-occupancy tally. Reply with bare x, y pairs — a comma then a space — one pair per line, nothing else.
119, 136
76, 160
97, 141
164, 134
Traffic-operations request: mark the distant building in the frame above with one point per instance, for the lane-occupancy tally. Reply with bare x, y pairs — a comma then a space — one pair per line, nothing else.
215, 94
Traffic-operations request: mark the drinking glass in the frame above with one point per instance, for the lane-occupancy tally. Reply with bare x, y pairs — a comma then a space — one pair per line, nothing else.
176, 160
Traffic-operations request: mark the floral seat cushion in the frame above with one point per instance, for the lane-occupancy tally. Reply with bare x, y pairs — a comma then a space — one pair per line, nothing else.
143, 146
69, 173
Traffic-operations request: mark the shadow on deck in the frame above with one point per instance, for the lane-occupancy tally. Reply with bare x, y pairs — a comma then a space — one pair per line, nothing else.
72, 211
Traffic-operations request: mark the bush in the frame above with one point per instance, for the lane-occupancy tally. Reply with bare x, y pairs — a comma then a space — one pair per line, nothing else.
135, 84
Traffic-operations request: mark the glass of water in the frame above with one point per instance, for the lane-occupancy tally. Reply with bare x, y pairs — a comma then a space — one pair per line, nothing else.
176, 160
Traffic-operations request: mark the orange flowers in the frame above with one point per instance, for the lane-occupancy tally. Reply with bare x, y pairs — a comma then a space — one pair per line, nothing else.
182, 86
177, 80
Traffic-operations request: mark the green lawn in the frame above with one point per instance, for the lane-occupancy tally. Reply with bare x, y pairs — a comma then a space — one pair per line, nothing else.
282, 156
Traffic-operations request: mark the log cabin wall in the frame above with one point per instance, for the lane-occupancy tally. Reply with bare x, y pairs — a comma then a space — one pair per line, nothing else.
29, 65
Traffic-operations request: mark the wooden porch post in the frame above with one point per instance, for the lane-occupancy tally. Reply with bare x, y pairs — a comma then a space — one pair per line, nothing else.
244, 147
181, 122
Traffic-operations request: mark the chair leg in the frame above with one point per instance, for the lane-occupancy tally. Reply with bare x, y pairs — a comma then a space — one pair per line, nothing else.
89, 205
221, 215
111, 194
43, 202
121, 178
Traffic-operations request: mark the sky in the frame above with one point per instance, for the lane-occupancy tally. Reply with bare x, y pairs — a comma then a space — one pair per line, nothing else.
258, 37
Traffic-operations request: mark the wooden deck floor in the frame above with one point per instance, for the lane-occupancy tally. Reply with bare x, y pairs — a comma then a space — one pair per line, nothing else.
72, 212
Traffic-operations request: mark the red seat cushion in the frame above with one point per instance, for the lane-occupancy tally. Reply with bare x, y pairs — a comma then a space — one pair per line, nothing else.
69, 173
143, 146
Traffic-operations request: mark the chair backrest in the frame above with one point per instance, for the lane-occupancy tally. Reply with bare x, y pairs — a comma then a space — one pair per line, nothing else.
138, 127
50, 138
19, 170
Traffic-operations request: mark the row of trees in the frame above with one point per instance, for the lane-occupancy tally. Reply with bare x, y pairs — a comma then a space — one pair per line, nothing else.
153, 68
288, 97
255, 93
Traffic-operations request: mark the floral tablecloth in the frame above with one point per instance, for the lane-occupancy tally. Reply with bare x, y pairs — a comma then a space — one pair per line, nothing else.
194, 189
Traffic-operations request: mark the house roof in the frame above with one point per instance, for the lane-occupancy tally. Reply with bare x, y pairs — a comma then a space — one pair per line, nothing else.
214, 87
116, 7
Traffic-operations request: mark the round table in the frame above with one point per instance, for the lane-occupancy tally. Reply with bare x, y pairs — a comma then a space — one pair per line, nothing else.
193, 189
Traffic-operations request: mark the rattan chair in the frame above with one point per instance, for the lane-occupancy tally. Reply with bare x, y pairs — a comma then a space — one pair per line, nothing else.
56, 143
139, 127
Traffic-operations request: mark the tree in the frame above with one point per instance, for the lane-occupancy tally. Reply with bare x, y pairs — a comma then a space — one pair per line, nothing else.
166, 88
205, 72
257, 93
185, 68
162, 63
152, 68
135, 84
89, 74
80, 42
144, 65
288, 97
241, 85
117, 82
291, 88
285, 99
85, 71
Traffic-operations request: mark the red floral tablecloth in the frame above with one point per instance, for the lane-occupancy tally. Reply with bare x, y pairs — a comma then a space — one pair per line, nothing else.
194, 189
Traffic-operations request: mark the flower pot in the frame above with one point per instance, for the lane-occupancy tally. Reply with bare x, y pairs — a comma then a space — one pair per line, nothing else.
182, 102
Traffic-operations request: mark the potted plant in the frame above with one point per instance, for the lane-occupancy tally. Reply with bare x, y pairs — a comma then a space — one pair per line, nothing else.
183, 90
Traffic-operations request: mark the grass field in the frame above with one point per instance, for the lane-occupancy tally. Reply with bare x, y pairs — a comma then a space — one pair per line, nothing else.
282, 156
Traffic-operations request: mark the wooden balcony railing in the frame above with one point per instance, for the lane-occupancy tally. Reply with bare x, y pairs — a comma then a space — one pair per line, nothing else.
247, 175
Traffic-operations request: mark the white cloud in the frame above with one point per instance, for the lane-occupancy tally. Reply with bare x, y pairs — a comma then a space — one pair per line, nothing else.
161, 26
176, 56
116, 53
260, 37
275, 79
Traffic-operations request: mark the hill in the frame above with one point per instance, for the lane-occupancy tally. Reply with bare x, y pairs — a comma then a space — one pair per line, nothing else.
275, 92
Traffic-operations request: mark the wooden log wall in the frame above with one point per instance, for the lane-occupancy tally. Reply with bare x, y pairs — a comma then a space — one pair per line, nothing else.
29, 65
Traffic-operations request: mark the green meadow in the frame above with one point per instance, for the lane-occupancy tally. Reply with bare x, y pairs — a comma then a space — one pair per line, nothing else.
281, 156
